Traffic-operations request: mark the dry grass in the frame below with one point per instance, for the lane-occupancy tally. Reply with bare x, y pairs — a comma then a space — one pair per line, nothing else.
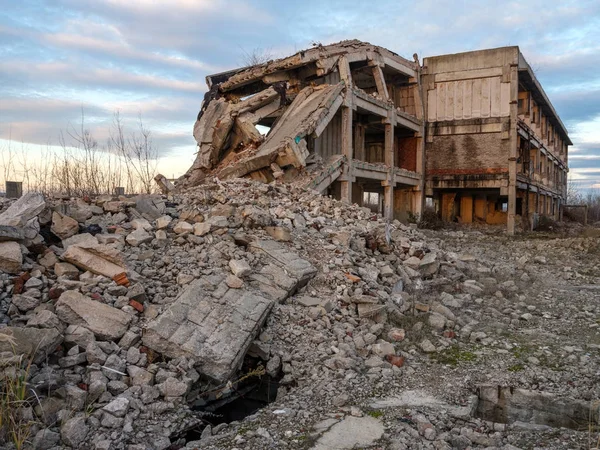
16, 403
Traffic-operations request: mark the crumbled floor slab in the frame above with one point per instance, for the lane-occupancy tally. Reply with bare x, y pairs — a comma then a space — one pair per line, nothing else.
215, 323
210, 323
350, 433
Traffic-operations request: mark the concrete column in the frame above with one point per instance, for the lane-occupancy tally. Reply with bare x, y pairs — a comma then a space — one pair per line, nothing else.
347, 151
419, 195
513, 151
388, 192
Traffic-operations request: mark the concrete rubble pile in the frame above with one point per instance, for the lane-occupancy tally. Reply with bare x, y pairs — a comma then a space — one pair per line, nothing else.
152, 305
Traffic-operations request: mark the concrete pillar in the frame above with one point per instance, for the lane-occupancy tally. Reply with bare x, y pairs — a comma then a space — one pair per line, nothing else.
347, 151
388, 151
419, 195
513, 151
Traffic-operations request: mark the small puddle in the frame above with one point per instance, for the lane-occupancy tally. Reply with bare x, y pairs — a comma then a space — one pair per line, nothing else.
508, 405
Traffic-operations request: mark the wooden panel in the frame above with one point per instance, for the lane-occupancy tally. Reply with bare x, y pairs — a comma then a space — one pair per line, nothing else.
505, 99
459, 99
495, 97
485, 97
476, 99
441, 101
467, 105
431, 105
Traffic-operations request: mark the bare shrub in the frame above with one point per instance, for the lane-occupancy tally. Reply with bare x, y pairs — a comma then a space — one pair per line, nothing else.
81, 166
430, 220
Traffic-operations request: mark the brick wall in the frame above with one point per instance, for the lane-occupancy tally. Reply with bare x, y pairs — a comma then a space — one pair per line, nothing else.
406, 153
468, 153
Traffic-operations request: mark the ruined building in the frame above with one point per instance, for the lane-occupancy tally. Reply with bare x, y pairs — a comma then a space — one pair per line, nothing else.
495, 146
474, 132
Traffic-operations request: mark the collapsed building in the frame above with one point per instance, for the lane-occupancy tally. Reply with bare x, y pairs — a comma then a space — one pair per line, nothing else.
473, 132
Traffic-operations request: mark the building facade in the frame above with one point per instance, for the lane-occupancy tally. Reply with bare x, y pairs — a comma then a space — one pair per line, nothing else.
496, 149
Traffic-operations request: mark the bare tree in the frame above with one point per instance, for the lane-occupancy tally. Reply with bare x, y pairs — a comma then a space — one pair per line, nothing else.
574, 195
81, 166
138, 153
257, 56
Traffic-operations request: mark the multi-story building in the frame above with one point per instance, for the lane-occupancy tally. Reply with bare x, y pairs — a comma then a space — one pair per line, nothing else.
496, 149
474, 131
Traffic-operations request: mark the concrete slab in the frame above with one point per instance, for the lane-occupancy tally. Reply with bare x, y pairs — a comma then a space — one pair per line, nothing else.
352, 432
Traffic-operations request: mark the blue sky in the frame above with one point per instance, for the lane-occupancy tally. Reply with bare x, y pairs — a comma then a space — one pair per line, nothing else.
151, 57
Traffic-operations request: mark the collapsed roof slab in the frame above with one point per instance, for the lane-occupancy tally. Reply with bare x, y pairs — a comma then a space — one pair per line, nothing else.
324, 56
309, 113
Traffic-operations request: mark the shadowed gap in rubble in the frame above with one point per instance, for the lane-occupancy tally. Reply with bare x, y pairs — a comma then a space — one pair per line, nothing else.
236, 402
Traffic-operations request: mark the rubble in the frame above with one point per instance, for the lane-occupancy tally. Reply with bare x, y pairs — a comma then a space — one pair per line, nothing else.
11, 257
97, 258
25, 209
354, 323
64, 226
104, 321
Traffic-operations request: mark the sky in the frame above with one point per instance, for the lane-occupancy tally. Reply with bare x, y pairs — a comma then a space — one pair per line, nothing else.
150, 58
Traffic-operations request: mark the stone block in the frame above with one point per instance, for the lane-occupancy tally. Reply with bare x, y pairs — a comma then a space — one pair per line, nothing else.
11, 258
104, 321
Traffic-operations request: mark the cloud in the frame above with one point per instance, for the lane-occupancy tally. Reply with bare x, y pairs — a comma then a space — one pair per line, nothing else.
60, 73
151, 57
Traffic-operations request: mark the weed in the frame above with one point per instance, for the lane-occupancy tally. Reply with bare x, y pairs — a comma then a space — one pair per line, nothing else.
516, 368
15, 400
522, 351
375, 414
453, 356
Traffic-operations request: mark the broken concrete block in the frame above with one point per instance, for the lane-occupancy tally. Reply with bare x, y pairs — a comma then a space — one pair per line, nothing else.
62, 269
164, 184
34, 343
413, 262
311, 302
200, 229
141, 224
64, 226
234, 282
183, 227
138, 237
295, 266
150, 206
11, 258
239, 268
104, 321
23, 210
48, 260
96, 258
429, 265
163, 222
83, 238
24, 302
184, 278
8, 233
279, 233
112, 207
215, 332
